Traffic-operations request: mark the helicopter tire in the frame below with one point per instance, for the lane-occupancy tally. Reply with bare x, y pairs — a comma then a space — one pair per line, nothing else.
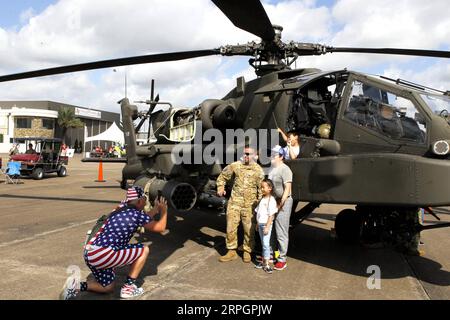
38, 174
348, 226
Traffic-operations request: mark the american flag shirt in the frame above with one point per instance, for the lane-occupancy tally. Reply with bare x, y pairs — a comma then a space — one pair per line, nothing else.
120, 228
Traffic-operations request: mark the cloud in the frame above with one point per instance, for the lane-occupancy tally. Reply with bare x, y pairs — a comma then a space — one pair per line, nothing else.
75, 31
436, 76
26, 15
403, 23
302, 20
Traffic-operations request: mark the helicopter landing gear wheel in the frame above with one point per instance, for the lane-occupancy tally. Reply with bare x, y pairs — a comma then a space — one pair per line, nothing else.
348, 226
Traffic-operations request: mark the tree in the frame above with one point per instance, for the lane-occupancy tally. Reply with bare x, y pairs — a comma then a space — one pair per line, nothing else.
66, 120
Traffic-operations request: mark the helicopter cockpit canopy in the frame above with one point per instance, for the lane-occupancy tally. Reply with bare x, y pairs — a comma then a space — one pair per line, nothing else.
386, 113
439, 105
314, 100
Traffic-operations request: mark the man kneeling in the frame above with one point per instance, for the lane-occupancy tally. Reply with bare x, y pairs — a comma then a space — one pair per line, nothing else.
110, 247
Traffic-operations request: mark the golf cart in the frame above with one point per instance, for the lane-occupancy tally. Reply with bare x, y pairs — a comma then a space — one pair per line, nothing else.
42, 156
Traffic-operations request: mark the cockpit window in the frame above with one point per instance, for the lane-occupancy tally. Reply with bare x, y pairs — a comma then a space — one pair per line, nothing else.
386, 113
439, 105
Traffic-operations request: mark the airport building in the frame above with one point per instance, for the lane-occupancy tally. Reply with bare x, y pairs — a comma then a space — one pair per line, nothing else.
23, 119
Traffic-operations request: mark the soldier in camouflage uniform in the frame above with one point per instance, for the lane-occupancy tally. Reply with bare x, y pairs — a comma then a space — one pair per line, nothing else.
244, 197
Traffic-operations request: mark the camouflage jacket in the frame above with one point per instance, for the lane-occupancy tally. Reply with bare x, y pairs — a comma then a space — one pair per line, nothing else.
247, 181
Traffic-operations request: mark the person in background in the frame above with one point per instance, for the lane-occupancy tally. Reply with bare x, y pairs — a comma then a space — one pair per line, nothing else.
30, 149
111, 151
63, 150
408, 238
119, 151
14, 150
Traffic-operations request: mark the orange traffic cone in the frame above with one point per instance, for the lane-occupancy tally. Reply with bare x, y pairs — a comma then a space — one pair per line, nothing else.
100, 172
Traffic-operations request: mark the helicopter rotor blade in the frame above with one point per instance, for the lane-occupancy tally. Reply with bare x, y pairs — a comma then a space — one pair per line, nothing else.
139, 126
152, 58
153, 105
149, 112
248, 15
152, 90
407, 52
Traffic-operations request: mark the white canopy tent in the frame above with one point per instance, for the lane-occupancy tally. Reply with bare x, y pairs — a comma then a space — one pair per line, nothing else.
113, 133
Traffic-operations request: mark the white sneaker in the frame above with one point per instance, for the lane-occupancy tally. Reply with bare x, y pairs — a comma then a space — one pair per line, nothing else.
130, 291
69, 290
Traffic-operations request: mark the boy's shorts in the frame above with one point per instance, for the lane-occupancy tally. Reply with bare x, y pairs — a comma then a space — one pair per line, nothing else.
104, 260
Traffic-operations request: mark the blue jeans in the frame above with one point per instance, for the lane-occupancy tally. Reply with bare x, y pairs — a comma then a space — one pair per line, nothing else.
265, 240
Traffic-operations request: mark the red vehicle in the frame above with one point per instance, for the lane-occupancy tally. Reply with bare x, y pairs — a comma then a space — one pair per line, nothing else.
44, 157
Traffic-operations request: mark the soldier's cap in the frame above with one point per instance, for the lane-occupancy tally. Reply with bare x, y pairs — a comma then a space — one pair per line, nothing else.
134, 193
279, 150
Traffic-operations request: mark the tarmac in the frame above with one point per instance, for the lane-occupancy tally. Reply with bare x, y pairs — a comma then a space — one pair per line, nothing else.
43, 225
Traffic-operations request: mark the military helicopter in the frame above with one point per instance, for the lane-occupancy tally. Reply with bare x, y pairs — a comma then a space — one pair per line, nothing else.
378, 143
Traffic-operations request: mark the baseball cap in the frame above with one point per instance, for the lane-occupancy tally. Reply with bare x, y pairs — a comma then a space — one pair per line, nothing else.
279, 150
134, 193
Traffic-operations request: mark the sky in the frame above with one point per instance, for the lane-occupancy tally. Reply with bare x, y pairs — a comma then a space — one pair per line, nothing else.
36, 34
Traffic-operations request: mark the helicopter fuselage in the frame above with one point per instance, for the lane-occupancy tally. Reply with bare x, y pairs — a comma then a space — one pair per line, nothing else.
370, 157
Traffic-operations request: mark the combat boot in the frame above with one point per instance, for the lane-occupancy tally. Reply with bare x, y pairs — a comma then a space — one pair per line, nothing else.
247, 258
230, 256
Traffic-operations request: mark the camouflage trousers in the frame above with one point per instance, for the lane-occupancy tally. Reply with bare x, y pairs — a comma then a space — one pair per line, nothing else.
237, 212
408, 241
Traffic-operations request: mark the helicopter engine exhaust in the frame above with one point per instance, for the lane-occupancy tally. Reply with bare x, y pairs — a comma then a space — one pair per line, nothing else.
217, 114
180, 196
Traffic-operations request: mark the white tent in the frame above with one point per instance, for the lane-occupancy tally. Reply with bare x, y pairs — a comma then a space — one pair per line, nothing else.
113, 133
